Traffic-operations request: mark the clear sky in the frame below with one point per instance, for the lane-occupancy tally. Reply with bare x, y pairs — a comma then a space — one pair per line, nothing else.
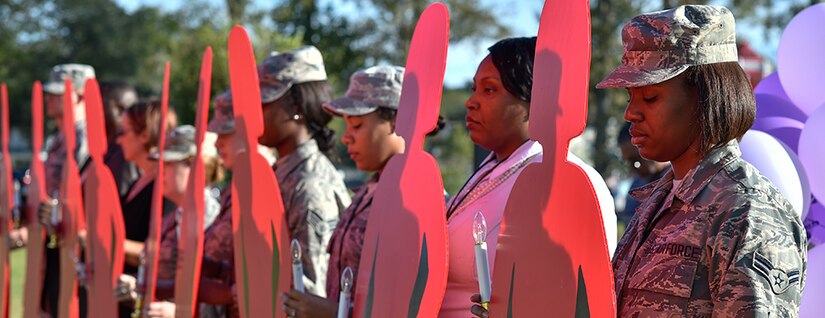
519, 15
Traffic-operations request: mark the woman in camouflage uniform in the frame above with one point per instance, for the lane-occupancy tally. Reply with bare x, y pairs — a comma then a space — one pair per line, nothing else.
369, 109
713, 237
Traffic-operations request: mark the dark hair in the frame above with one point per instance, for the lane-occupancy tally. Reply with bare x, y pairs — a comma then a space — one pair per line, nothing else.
308, 98
624, 134
145, 117
117, 96
513, 58
726, 107
388, 114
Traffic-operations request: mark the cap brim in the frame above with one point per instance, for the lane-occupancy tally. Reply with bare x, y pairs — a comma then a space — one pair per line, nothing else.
349, 107
632, 76
271, 93
169, 156
220, 127
54, 88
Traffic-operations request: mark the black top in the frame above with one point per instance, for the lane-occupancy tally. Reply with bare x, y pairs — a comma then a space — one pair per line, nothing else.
136, 216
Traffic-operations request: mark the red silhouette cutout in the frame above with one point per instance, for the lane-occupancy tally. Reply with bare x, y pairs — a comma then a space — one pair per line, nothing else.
153, 240
262, 261
36, 194
6, 204
106, 231
190, 242
72, 213
404, 257
552, 254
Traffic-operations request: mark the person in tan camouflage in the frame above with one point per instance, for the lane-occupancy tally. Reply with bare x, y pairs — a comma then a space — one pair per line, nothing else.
713, 237
293, 86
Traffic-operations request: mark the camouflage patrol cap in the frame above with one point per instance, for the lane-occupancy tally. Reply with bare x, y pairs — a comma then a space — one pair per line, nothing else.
180, 144
280, 71
223, 121
377, 86
660, 45
78, 73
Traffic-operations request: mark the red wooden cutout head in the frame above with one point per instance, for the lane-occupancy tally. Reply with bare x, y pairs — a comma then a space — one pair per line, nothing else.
552, 101
246, 93
68, 117
94, 120
204, 88
37, 117
413, 122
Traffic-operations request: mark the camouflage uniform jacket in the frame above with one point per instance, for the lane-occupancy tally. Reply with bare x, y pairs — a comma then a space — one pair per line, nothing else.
314, 198
218, 246
726, 244
348, 239
56, 156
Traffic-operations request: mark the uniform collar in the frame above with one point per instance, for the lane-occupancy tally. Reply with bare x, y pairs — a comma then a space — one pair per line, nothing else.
697, 178
304, 151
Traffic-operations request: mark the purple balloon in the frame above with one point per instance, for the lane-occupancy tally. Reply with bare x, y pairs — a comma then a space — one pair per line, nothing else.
785, 129
775, 106
801, 65
812, 304
812, 151
815, 224
769, 156
770, 85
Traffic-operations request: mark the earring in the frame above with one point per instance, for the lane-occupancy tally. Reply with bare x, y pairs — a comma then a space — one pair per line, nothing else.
296, 117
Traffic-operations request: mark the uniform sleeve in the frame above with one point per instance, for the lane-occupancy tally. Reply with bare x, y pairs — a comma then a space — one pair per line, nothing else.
312, 216
757, 263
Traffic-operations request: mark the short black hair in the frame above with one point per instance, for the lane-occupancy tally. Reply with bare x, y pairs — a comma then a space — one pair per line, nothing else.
727, 106
513, 58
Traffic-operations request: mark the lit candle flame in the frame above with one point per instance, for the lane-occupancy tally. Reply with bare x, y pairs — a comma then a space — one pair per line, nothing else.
346, 280
296, 251
479, 228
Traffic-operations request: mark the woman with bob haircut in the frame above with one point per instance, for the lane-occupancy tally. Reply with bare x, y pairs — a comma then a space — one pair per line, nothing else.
713, 237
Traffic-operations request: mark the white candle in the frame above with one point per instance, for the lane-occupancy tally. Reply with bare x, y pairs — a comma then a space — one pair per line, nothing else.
482, 262
17, 201
55, 209
297, 267
346, 293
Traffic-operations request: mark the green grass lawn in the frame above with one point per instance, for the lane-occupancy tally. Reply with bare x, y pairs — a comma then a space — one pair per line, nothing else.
17, 260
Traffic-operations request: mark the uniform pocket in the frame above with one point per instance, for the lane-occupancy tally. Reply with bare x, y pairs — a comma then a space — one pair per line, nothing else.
665, 274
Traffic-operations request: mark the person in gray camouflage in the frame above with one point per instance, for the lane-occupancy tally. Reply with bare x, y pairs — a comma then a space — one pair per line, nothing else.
293, 86
369, 108
713, 237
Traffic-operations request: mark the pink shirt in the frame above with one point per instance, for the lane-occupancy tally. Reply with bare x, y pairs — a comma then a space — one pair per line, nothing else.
489, 196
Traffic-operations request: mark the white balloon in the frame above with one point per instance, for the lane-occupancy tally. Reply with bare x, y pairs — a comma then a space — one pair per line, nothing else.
768, 155
814, 293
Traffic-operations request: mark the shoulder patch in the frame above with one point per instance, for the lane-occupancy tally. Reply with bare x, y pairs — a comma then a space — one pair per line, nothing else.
779, 280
